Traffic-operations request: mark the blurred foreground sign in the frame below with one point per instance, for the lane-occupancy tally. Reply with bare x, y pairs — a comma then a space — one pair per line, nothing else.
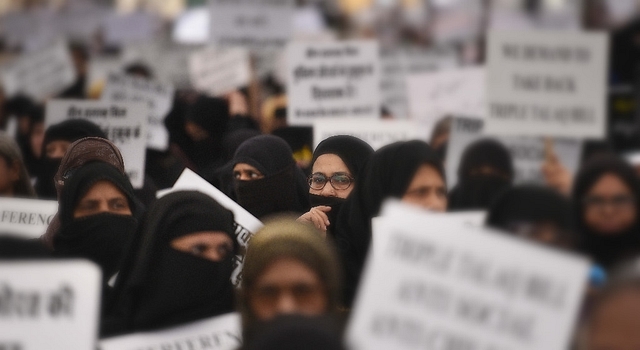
49, 305
547, 84
437, 283
28, 218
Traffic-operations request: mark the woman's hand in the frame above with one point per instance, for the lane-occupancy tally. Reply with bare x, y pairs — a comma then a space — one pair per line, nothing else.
318, 217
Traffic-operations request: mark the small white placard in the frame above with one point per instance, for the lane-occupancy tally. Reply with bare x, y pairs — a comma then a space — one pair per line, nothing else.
220, 71
376, 133
27, 218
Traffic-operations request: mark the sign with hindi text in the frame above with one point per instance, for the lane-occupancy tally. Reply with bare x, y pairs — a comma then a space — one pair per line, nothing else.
220, 71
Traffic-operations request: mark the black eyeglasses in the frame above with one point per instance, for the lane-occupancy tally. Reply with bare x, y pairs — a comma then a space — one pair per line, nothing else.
339, 181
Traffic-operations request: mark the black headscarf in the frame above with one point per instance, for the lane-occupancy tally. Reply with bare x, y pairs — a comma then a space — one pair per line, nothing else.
101, 238
283, 188
160, 286
68, 130
531, 205
212, 115
294, 332
388, 173
477, 191
607, 249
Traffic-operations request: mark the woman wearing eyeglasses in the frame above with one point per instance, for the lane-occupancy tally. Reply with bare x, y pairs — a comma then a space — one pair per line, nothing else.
337, 162
605, 194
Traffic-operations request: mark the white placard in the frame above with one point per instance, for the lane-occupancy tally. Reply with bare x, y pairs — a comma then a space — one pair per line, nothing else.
217, 333
125, 124
435, 281
135, 27
527, 153
41, 74
49, 305
157, 95
376, 133
333, 80
246, 225
220, 71
459, 92
256, 24
27, 218
547, 84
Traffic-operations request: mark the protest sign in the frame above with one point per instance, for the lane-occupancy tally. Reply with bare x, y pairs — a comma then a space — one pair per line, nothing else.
333, 80
436, 283
547, 84
27, 218
255, 24
448, 92
376, 133
40, 74
125, 124
49, 305
520, 15
126, 28
527, 153
220, 71
217, 333
246, 225
157, 95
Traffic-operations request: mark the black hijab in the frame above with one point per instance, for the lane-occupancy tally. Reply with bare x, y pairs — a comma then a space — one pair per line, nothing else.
607, 249
477, 191
162, 287
388, 173
212, 115
284, 187
294, 332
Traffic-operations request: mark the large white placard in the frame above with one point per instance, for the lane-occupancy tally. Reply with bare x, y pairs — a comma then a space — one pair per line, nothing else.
547, 84
220, 71
124, 123
157, 95
433, 282
333, 80
256, 24
376, 133
49, 305
246, 224
217, 333
27, 218
40, 74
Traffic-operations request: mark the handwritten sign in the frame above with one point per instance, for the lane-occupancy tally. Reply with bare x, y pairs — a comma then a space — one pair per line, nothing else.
125, 124
157, 95
376, 133
547, 84
333, 80
40, 74
27, 218
246, 224
434, 282
217, 333
256, 24
49, 305
220, 71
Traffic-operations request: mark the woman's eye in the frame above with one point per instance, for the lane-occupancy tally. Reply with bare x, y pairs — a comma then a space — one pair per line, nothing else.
254, 175
198, 249
236, 174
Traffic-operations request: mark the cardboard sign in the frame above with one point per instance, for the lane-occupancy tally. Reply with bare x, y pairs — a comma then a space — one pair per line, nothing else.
124, 123
528, 153
256, 24
333, 80
40, 74
547, 84
376, 133
448, 92
220, 71
49, 305
246, 224
157, 95
28, 218
435, 282
217, 333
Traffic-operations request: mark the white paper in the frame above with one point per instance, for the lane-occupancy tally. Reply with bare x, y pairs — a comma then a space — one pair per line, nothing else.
40, 74
217, 333
333, 80
49, 304
28, 218
436, 281
135, 27
220, 71
376, 133
547, 84
157, 95
124, 123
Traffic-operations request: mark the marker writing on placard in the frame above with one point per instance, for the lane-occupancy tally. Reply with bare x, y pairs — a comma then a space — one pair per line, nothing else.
14, 217
205, 341
35, 304
422, 253
11, 346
